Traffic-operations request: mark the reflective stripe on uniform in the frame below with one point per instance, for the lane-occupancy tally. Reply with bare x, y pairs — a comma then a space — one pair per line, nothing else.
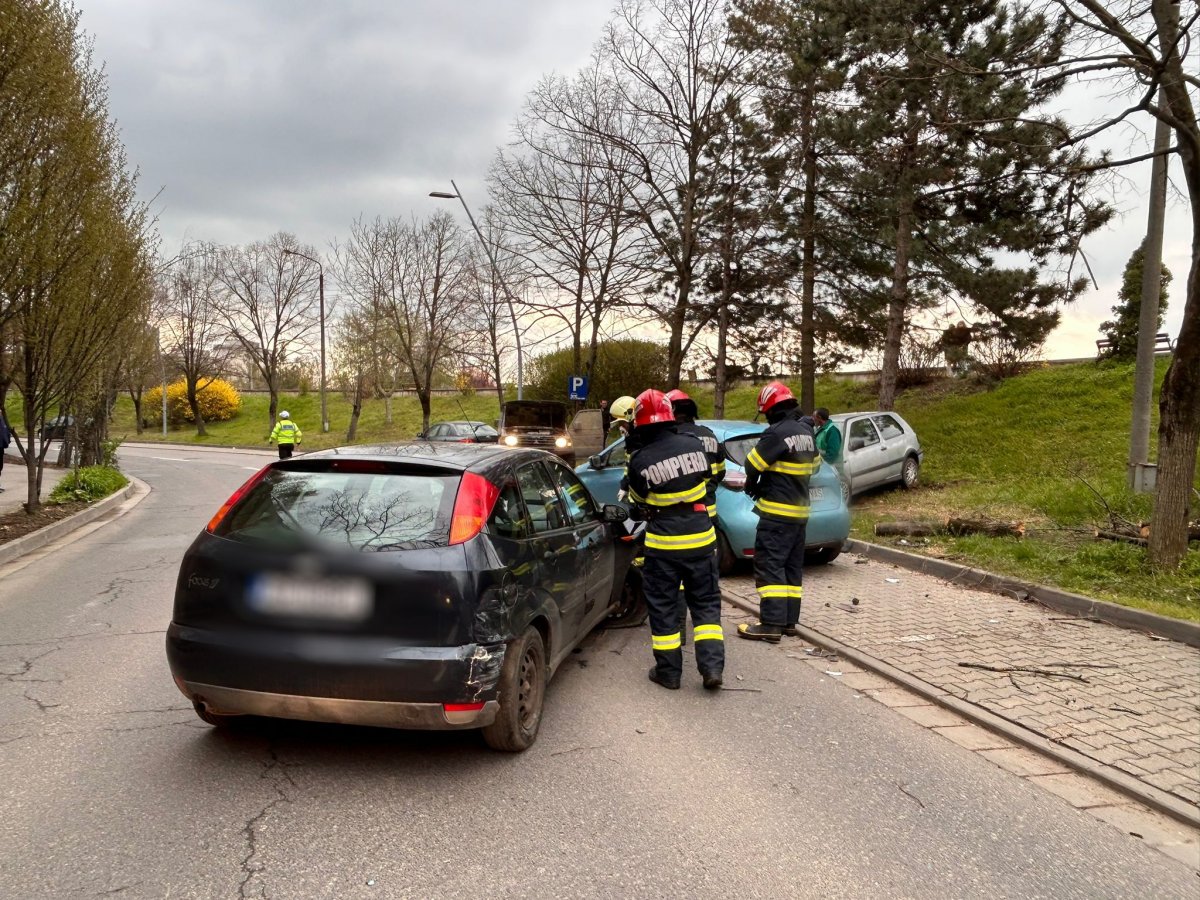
680, 541
780, 591
635, 496
717, 468
781, 509
794, 468
691, 495
666, 641
708, 633
712, 511
755, 459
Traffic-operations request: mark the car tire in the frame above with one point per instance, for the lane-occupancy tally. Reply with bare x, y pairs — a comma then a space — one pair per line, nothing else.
821, 556
631, 608
216, 720
910, 473
522, 693
725, 558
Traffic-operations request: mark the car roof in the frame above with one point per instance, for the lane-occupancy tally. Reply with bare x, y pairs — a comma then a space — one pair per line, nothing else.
842, 417
459, 422
726, 428
444, 455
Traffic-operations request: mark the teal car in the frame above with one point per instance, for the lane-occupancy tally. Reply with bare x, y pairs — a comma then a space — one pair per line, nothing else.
828, 523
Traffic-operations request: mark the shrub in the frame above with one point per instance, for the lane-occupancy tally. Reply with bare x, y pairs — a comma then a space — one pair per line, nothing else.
89, 483
219, 402
625, 366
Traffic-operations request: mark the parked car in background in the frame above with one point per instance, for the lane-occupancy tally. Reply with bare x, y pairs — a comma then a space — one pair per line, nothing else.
537, 423
828, 524
463, 432
419, 585
56, 429
879, 448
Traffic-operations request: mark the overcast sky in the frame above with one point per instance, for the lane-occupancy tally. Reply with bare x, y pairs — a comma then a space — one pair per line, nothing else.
247, 117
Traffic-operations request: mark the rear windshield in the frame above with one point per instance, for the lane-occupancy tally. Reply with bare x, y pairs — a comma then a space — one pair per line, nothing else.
521, 415
355, 510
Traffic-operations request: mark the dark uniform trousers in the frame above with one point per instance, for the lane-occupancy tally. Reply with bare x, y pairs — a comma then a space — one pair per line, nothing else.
661, 580
779, 570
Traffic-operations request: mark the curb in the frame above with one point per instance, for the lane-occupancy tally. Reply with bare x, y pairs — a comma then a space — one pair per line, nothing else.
27, 544
1061, 601
199, 448
1152, 797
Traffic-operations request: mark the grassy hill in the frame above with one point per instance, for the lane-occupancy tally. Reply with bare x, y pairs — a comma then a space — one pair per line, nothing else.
1047, 448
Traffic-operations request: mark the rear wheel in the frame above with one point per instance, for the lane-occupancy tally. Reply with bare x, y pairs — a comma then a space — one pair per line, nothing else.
821, 556
522, 692
725, 558
910, 473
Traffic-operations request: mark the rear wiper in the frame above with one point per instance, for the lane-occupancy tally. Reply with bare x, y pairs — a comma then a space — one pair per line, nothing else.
283, 512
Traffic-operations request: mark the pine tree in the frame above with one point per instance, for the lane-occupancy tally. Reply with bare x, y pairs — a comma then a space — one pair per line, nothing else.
1122, 329
948, 162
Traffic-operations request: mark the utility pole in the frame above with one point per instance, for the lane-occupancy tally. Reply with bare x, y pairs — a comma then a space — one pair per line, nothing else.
487, 248
1141, 471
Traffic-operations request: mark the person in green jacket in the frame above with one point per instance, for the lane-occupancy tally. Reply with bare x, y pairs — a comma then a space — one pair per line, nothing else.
286, 433
829, 441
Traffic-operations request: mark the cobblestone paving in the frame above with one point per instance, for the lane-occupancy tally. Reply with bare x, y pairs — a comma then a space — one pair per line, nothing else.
1119, 697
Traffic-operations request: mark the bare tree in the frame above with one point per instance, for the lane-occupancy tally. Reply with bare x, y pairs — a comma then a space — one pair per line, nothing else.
416, 273
269, 303
561, 192
673, 68
488, 317
194, 329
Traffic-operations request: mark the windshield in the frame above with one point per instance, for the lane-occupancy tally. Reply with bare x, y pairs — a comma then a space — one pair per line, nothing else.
535, 415
355, 510
739, 447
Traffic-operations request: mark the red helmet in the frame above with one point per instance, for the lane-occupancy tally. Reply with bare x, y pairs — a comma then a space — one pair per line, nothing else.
651, 407
676, 395
772, 393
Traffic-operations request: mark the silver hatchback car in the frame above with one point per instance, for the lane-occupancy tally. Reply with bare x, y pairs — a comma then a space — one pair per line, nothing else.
878, 448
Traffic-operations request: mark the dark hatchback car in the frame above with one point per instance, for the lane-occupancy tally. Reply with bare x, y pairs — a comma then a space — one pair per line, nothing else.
429, 586
464, 432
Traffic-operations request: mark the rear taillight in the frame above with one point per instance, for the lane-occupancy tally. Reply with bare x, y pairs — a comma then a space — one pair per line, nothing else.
472, 506
735, 481
235, 497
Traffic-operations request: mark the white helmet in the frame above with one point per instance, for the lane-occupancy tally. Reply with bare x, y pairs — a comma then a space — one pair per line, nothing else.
283, 414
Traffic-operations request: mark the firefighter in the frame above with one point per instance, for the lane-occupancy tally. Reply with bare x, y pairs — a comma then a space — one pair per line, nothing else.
668, 483
686, 412
622, 417
286, 433
777, 473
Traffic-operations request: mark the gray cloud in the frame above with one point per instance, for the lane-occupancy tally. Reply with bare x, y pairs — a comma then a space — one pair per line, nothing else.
251, 117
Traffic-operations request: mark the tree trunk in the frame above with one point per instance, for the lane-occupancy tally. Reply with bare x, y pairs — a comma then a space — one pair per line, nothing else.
137, 410
675, 345
720, 372
423, 396
808, 364
273, 406
194, 404
897, 307
355, 410
387, 408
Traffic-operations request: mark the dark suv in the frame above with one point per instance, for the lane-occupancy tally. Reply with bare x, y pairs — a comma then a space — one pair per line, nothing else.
413, 586
537, 423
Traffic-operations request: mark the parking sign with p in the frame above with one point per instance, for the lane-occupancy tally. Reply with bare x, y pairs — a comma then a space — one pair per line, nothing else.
577, 387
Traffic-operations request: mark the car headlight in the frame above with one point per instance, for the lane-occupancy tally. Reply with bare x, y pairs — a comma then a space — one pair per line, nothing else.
561, 442
510, 440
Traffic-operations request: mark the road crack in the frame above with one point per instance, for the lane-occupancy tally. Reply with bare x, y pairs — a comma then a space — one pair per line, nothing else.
276, 772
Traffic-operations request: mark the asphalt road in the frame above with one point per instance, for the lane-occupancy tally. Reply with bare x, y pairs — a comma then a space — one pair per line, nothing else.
789, 786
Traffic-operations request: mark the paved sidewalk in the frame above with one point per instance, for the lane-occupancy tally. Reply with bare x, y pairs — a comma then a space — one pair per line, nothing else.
1119, 697
14, 481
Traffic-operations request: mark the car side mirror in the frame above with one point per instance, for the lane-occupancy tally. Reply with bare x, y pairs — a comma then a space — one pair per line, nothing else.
597, 461
857, 443
614, 514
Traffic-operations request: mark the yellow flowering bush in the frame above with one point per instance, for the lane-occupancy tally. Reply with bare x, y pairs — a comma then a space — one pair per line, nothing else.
219, 402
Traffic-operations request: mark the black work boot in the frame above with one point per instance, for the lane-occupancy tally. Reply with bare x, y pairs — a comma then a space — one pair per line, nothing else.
791, 631
760, 632
712, 680
671, 684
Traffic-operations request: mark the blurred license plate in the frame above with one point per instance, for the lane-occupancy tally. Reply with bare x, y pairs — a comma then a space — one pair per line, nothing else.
815, 494
344, 599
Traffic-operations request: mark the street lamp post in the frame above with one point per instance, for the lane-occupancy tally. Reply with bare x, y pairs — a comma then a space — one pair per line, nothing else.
487, 248
321, 296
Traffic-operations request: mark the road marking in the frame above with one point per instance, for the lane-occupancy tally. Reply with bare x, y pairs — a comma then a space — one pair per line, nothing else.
174, 458
251, 468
